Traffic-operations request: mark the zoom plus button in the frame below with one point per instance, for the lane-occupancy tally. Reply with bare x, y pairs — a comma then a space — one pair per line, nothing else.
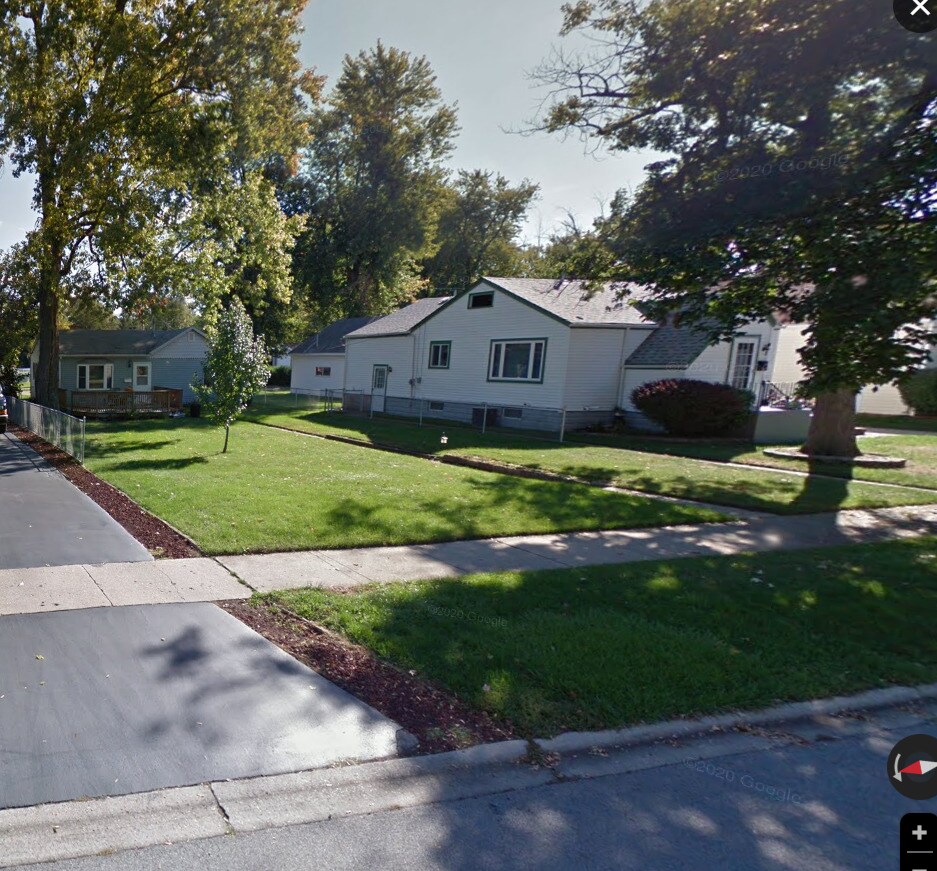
919, 842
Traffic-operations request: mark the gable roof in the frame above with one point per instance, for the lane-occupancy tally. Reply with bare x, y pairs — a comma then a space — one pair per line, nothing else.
670, 347
331, 339
103, 343
402, 321
574, 303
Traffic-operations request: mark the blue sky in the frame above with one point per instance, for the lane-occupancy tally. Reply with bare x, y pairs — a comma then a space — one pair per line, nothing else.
481, 52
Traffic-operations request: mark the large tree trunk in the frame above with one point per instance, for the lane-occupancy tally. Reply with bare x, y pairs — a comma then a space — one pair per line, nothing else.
833, 427
47, 373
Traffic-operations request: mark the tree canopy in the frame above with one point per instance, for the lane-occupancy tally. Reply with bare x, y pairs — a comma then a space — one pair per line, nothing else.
479, 222
132, 114
798, 174
370, 184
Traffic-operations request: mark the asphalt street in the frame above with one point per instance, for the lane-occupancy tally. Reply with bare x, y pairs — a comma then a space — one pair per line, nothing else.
109, 701
820, 804
46, 521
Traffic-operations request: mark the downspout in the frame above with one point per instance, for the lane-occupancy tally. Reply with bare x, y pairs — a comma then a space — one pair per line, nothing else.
621, 367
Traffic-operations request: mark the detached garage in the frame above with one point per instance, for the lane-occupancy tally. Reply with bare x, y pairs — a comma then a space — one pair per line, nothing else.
318, 363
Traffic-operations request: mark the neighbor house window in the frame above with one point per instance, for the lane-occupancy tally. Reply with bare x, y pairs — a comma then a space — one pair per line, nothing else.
434, 405
517, 360
481, 300
95, 376
514, 413
439, 355
323, 371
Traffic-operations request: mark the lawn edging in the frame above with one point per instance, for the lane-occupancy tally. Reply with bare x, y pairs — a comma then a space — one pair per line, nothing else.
583, 742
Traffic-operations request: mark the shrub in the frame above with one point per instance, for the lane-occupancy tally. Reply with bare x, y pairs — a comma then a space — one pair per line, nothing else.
279, 377
685, 407
920, 391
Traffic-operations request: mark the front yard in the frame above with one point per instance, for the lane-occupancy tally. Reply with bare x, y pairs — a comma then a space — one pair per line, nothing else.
662, 466
276, 491
609, 646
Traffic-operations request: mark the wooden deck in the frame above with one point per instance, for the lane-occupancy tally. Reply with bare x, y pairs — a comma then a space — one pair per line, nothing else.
120, 403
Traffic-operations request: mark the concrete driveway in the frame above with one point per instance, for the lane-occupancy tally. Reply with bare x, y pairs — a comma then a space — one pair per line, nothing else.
46, 521
109, 701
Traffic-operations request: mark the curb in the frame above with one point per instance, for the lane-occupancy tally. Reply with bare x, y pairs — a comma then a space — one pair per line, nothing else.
106, 825
582, 742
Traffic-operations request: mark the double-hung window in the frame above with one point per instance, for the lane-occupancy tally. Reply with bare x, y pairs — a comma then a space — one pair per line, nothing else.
517, 360
95, 376
439, 355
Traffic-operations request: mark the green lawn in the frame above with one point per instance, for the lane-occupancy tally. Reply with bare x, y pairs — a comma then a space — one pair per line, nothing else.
276, 491
654, 466
897, 421
609, 646
919, 451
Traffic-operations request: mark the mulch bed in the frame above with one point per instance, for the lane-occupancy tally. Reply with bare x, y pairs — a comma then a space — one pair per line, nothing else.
439, 720
155, 535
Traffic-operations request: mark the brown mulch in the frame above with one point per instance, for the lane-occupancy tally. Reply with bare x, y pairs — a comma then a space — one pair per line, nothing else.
439, 720
154, 534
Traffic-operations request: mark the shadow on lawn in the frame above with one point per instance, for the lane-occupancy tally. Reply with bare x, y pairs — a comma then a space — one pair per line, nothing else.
608, 646
506, 505
764, 490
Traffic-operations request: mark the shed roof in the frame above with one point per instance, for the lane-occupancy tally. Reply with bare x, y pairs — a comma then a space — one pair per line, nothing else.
331, 339
670, 347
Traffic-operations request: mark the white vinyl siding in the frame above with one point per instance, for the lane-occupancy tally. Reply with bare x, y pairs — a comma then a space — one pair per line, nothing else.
305, 369
467, 378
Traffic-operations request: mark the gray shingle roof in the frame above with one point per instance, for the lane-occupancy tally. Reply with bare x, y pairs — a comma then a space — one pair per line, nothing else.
572, 302
90, 343
331, 339
402, 321
670, 347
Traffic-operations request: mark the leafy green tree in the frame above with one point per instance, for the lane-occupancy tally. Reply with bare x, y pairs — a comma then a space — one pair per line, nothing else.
18, 321
480, 220
798, 175
236, 367
371, 183
118, 107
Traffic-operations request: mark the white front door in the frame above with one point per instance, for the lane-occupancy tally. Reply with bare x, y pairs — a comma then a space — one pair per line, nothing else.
141, 377
378, 388
743, 364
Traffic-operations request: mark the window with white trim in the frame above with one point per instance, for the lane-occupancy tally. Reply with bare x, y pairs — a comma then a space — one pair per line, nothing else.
517, 360
439, 355
323, 371
95, 376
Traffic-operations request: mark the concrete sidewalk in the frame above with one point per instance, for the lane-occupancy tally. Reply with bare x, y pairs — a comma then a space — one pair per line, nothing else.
61, 588
24, 591
351, 568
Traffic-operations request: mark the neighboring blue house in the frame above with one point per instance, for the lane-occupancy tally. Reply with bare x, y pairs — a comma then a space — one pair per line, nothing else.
97, 364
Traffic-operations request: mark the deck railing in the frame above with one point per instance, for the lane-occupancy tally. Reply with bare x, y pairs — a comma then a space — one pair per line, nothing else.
117, 403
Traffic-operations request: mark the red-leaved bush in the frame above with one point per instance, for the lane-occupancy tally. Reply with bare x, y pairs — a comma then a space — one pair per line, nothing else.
685, 407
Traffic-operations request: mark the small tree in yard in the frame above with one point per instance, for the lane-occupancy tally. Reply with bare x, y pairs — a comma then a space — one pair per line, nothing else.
235, 369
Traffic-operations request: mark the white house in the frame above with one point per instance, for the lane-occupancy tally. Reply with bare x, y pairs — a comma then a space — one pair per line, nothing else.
318, 362
532, 352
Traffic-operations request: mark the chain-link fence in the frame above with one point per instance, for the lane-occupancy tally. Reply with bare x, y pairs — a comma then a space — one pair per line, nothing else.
482, 415
62, 430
